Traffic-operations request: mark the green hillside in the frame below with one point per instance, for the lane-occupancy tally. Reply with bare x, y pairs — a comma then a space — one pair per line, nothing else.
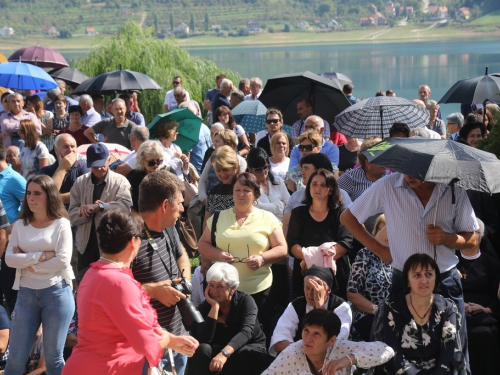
73, 17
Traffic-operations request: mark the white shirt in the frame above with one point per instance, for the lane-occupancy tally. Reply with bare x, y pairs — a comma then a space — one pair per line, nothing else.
251, 97
287, 325
170, 160
33, 241
170, 99
280, 169
276, 200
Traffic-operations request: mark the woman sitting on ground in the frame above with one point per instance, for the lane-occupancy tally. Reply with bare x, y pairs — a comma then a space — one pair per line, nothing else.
318, 223
422, 327
231, 338
273, 193
369, 284
480, 277
321, 351
118, 328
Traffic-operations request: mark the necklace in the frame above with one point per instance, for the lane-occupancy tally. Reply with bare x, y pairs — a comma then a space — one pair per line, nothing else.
111, 261
464, 271
422, 318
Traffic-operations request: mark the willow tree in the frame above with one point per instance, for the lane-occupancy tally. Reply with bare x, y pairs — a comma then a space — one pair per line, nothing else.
161, 59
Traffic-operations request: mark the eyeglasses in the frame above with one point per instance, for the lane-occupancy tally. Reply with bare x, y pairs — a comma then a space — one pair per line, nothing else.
240, 260
273, 121
176, 83
306, 147
152, 163
261, 169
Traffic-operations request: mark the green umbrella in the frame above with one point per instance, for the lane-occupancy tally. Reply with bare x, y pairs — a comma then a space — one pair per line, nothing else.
189, 127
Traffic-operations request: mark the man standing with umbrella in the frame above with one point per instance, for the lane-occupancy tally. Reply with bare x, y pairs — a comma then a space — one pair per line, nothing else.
421, 218
9, 121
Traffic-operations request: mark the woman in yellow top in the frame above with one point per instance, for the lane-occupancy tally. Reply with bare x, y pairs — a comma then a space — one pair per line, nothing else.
250, 239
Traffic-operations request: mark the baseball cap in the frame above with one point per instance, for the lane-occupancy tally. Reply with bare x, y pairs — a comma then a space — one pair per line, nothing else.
97, 155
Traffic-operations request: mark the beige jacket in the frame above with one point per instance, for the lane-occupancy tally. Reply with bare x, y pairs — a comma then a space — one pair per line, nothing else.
116, 194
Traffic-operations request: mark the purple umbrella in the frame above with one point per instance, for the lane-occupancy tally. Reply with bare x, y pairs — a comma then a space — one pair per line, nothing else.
39, 56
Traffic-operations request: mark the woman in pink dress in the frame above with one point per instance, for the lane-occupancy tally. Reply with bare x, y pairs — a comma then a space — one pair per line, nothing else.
118, 328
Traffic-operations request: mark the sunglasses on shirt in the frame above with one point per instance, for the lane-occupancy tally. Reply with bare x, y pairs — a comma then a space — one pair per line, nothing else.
240, 260
306, 147
152, 163
273, 121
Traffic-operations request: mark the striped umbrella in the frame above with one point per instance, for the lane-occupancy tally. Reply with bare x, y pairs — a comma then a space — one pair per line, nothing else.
251, 114
373, 117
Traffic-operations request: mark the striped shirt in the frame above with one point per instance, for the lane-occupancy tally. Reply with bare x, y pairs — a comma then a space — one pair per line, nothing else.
147, 267
354, 182
407, 219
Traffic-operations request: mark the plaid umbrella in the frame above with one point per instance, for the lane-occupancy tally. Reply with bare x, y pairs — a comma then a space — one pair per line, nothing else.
251, 114
373, 117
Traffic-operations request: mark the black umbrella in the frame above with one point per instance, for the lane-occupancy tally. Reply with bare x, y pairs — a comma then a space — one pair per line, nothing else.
284, 91
116, 82
69, 75
441, 161
474, 90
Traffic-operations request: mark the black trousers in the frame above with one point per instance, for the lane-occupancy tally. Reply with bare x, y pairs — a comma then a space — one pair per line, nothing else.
7, 277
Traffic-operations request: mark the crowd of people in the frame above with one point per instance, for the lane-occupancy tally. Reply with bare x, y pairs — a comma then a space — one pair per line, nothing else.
312, 259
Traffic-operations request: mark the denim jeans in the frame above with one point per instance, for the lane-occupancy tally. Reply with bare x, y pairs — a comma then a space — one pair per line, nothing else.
53, 307
180, 361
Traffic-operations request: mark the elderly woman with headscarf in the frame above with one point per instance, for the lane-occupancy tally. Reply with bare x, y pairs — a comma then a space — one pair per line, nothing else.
231, 338
319, 284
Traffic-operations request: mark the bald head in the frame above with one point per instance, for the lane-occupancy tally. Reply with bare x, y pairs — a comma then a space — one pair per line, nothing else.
314, 123
190, 106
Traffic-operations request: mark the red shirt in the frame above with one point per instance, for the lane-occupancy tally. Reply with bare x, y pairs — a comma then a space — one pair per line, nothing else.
115, 324
78, 135
337, 138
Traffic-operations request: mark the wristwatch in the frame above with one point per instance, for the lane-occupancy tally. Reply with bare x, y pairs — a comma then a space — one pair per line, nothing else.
101, 206
225, 353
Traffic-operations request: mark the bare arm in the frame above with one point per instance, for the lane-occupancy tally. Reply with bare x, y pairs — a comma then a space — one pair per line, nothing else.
123, 169
3, 242
286, 222
278, 247
210, 252
184, 264
360, 302
43, 163
363, 236
207, 105
4, 339
165, 107
90, 134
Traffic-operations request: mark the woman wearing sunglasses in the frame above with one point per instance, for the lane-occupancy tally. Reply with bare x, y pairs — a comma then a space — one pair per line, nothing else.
174, 159
273, 193
249, 238
149, 159
308, 143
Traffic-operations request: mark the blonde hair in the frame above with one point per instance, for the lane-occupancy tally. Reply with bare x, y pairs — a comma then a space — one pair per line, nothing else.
228, 137
369, 142
274, 140
312, 136
380, 220
225, 158
148, 149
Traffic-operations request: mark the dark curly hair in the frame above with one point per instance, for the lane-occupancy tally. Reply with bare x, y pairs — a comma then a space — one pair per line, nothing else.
116, 228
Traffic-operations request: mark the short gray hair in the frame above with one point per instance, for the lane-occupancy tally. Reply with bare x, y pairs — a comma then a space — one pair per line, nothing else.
140, 132
431, 103
256, 80
52, 93
190, 106
239, 95
217, 125
424, 133
148, 149
456, 118
13, 95
224, 271
179, 90
87, 99
225, 83
118, 100
61, 136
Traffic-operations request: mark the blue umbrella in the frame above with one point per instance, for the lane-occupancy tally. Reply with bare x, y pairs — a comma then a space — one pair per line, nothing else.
251, 114
22, 76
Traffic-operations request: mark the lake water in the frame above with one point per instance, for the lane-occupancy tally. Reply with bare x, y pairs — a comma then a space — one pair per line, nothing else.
372, 67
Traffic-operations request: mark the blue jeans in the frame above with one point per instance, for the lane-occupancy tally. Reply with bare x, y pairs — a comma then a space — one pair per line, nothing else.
53, 307
180, 361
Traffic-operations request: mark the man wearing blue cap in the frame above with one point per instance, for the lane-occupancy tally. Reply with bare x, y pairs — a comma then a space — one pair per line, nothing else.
92, 195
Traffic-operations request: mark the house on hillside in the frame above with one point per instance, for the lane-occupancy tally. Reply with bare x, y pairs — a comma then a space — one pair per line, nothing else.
50, 31
409, 9
90, 31
433, 9
442, 13
303, 25
367, 21
463, 13
390, 11
6, 31
182, 29
254, 27
333, 25
372, 8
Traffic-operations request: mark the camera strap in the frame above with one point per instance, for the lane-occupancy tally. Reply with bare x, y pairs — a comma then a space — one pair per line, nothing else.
154, 245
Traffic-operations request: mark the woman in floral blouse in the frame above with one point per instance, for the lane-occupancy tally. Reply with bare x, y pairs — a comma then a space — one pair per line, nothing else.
422, 327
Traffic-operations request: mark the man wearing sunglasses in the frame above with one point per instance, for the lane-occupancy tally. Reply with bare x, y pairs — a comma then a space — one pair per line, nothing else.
316, 123
170, 103
274, 124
